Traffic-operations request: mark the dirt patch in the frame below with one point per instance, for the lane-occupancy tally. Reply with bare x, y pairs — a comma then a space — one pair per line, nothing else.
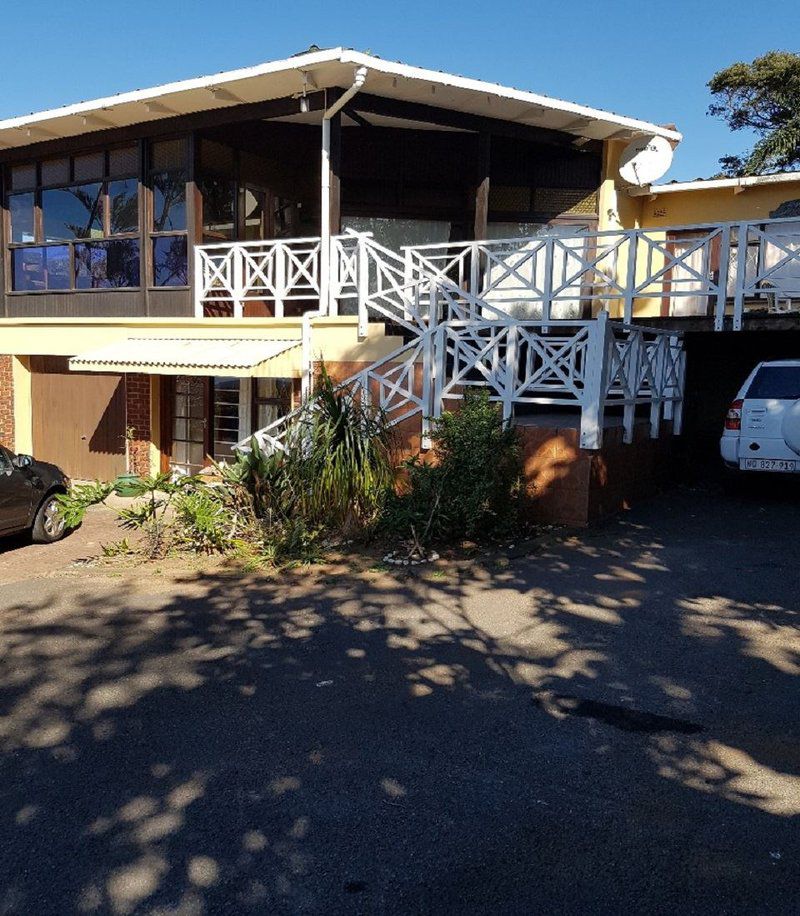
21, 559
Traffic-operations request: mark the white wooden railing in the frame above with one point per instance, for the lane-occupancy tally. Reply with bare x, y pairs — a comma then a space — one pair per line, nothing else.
720, 270
458, 341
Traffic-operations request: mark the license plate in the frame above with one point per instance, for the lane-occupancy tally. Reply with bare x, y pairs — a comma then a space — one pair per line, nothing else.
767, 464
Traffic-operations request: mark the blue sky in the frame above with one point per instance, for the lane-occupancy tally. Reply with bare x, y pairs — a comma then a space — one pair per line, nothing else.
647, 60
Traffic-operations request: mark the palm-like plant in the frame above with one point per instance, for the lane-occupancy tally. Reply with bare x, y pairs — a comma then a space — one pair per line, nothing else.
335, 468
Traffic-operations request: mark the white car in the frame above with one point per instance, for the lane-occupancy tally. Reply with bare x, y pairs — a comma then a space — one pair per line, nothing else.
762, 427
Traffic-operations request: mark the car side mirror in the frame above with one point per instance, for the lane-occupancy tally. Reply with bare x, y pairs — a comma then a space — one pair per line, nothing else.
22, 461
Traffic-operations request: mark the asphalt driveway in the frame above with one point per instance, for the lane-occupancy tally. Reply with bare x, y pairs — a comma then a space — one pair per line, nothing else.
609, 725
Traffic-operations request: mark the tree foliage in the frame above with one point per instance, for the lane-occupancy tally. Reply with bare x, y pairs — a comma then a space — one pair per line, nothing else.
764, 97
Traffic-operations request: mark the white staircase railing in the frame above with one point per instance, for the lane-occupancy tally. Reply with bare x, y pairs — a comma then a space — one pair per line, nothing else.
458, 341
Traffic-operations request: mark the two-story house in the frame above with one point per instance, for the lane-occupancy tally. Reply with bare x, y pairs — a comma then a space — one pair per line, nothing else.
160, 248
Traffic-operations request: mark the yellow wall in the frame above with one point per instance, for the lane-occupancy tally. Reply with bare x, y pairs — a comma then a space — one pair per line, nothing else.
23, 417
717, 205
619, 209
333, 339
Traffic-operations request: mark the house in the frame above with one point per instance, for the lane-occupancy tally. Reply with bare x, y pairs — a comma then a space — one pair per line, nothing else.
175, 259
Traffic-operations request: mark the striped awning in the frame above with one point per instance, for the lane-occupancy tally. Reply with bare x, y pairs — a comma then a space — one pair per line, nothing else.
195, 356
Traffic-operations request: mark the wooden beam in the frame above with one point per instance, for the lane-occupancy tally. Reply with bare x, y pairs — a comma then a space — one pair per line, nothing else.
359, 119
481, 224
430, 114
250, 111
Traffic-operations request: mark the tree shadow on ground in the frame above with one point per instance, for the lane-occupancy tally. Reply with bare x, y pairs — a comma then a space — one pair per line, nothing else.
607, 726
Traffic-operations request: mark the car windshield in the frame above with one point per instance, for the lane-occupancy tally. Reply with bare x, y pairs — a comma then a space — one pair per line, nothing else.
782, 382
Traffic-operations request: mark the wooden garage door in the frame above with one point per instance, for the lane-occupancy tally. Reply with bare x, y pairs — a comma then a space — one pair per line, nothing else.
78, 419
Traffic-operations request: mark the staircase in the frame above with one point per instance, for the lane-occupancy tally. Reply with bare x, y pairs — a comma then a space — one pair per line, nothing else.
453, 339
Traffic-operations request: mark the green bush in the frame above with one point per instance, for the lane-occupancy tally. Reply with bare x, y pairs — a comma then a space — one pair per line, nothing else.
472, 490
334, 472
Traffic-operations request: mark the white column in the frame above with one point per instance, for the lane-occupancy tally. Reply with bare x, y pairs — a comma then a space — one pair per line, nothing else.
325, 219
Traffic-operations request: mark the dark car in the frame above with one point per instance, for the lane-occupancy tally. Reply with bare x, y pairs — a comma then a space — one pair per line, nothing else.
28, 491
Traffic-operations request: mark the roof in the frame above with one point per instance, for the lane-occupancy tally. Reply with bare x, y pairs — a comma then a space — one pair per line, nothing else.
711, 184
320, 70
185, 356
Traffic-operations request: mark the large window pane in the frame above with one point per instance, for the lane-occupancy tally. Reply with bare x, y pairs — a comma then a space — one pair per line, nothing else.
255, 205
72, 213
170, 263
169, 201
219, 205
107, 265
41, 268
123, 202
21, 209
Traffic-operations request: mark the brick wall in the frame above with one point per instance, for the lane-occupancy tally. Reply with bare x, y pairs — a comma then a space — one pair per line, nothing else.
137, 422
7, 401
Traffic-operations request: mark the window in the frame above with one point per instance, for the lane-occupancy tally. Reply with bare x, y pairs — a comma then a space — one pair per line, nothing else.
170, 262
219, 209
226, 417
61, 209
73, 213
167, 177
41, 269
779, 382
272, 399
20, 207
107, 265
123, 206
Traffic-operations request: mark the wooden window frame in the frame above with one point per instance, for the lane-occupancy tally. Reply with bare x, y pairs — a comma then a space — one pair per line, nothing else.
38, 222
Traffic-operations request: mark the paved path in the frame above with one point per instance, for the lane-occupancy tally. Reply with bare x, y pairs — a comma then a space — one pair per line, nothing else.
608, 726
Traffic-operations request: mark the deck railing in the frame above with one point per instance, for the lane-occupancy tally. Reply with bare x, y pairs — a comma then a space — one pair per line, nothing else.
458, 341
721, 270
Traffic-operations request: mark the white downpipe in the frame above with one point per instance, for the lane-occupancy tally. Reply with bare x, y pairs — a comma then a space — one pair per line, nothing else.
325, 189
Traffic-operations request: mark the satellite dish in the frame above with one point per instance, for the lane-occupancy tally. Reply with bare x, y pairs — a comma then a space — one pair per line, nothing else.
645, 160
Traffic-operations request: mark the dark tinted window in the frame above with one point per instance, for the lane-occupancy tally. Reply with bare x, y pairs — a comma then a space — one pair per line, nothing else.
104, 265
72, 213
20, 207
123, 205
169, 201
41, 268
170, 265
776, 382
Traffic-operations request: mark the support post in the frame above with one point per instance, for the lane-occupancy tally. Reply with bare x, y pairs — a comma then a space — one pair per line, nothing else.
722, 280
630, 279
237, 271
596, 383
482, 187
632, 378
362, 285
659, 381
325, 218
741, 278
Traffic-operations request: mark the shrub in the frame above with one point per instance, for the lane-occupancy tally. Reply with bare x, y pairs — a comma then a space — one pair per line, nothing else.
335, 470
472, 490
332, 479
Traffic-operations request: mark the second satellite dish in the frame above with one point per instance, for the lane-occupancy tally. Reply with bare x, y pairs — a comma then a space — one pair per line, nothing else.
645, 160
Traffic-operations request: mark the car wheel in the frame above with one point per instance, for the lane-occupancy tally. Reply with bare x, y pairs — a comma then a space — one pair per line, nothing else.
49, 525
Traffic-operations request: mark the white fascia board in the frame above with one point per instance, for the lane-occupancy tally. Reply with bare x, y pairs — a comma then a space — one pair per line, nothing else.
713, 183
356, 59
518, 95
301, 62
